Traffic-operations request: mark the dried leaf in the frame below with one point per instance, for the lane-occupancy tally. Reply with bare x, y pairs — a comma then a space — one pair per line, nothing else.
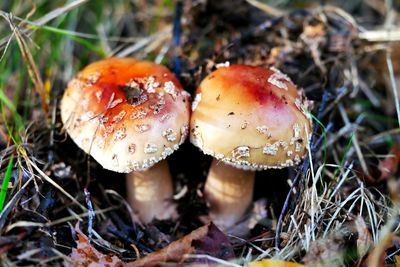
207, 239
364, 240
274, 263
215, 244
378, 254
389, 165
85, 255
329, 251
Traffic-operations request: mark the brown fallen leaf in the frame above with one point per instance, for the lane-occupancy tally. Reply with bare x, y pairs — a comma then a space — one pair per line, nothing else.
207, 239
389, 165
364, 240
85, 255
376, 257
329, 251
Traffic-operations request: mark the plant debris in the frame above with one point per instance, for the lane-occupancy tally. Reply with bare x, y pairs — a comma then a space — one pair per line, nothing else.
86, 255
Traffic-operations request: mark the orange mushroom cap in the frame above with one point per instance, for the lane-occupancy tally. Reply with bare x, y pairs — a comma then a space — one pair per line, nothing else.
250, 117
128, 114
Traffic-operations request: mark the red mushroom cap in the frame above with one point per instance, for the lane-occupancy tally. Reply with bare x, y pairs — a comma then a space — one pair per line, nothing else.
128, 114
250, 117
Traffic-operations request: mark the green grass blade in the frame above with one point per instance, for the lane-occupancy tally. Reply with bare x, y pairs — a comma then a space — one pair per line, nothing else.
6, 180
345, 154
80, 40
324, 132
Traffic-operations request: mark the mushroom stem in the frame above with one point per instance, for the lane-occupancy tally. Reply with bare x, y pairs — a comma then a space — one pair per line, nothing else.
229, 192
150, 192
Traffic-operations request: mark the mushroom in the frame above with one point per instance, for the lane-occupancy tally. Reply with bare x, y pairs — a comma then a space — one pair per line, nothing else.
129, 115
248, 118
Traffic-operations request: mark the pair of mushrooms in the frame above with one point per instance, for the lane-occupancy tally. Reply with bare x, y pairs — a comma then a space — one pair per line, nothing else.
130, 115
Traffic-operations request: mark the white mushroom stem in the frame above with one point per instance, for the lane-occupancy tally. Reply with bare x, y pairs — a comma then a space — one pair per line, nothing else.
150, 192
229, 192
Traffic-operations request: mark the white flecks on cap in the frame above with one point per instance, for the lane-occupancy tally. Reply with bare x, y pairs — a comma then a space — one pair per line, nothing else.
169, 87
85, 103
120, 134
119, 116
196, 101
296, 130
116, 102
270, 149
98, 95
109, 129
298, 147
279, 79
141, 128
169, 134
132, 84
165, 117
157, 107
167, 151
139, 114
150, 148
263, 130
283, 144
297, 159
241, 152
92, 78
219, 156
151, 85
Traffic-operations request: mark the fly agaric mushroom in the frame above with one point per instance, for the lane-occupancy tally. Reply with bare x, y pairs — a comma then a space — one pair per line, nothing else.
247, 118
129, 115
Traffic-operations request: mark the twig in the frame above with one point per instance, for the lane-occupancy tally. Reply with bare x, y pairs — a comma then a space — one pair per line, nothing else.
142, 43
266, 8
393, 83
380, 36
91, 213
176, 38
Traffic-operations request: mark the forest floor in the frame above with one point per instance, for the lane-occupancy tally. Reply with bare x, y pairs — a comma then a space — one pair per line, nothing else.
340, 207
